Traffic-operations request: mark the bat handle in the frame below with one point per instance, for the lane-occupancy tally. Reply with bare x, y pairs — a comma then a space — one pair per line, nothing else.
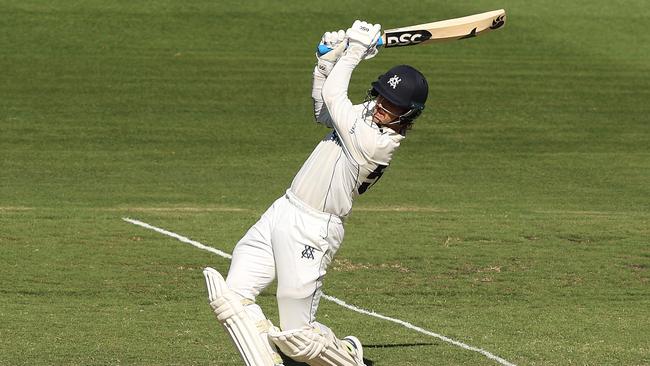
322, 49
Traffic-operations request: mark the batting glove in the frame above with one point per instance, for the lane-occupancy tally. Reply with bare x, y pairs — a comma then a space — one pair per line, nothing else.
363, 36
337, 43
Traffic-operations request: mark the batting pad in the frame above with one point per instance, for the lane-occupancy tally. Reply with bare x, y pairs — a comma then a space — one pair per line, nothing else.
314, 346
231, 314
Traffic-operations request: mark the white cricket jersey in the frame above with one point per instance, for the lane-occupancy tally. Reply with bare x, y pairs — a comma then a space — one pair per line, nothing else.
353, 156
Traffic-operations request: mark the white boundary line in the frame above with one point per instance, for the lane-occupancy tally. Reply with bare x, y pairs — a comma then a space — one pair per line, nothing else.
331, 298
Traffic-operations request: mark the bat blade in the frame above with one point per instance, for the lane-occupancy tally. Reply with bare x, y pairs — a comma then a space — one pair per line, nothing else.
444, 30
440, 31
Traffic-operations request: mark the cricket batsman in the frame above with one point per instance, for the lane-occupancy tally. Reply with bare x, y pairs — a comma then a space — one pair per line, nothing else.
297, 237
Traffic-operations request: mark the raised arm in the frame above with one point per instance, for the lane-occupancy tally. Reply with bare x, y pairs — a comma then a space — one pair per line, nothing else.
362, 40
337, 42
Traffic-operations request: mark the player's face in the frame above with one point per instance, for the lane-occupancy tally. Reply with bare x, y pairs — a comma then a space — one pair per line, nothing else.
386, 112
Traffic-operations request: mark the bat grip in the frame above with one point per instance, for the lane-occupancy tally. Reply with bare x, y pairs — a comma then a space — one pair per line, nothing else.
322, 49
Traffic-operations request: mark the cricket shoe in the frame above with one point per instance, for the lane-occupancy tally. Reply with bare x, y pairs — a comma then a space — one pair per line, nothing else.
353, 344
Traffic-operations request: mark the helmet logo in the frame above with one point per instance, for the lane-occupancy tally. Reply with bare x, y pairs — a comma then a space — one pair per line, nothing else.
394, 81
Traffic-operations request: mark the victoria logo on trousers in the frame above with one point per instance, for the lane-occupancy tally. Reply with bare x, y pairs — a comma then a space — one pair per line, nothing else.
308, 252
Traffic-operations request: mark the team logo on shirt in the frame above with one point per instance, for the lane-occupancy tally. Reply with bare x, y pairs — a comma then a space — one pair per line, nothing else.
394, 81
308, 252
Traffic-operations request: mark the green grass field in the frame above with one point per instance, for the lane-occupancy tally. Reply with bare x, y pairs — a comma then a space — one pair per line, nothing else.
515, 218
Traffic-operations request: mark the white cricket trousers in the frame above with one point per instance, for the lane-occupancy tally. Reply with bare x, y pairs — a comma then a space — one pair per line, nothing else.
294, 242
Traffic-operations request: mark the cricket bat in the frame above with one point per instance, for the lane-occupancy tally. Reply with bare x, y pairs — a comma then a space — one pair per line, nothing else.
440, 31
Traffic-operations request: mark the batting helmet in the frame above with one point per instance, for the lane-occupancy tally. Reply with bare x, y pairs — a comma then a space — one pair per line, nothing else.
405, 87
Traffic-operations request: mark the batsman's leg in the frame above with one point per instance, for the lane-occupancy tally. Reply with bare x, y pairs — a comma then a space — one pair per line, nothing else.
231, 313
303, 248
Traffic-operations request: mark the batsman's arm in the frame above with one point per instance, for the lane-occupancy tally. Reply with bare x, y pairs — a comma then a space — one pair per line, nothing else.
342, 111
321, 114
336, 42
335, 93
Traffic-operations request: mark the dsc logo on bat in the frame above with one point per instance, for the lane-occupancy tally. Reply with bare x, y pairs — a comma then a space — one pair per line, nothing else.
406, 38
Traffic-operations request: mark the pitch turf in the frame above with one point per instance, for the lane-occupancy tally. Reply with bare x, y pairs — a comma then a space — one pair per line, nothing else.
515, 218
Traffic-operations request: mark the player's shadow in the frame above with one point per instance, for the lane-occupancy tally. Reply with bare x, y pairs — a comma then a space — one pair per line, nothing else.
290, 362
394, 345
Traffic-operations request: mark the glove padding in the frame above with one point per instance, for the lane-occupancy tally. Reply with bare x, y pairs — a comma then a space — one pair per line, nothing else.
338, 43
363, 35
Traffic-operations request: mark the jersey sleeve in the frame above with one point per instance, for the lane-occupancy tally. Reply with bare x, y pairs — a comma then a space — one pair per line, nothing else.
321, 114
341, 110
385, 146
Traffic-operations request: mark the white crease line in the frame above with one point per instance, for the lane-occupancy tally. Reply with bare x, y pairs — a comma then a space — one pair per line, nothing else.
331, 298
420, 330
179, 237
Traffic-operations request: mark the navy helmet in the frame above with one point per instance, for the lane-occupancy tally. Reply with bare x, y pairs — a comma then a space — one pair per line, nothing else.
405, 87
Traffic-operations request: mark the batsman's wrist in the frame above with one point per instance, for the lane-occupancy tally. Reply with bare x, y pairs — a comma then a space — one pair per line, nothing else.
356, 50
323, 67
